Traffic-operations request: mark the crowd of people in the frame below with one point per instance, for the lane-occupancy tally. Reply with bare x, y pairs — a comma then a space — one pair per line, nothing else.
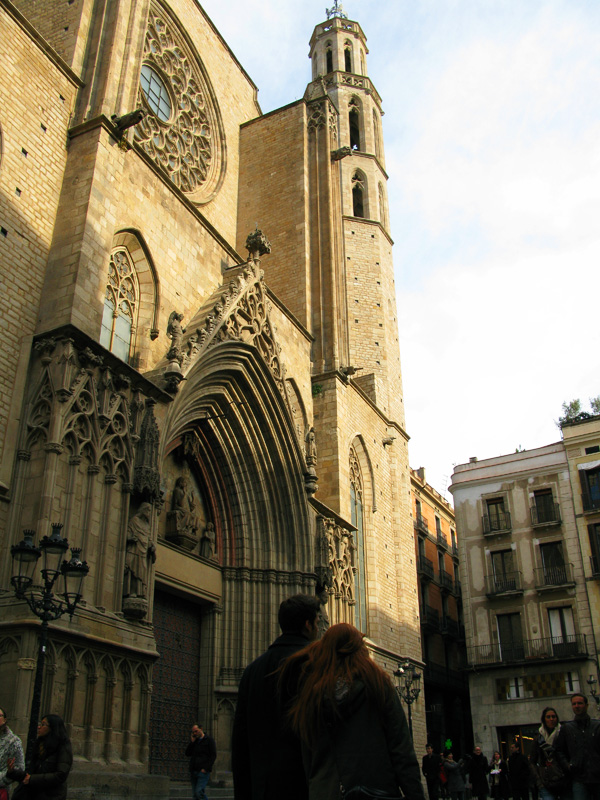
318, 719
564, 764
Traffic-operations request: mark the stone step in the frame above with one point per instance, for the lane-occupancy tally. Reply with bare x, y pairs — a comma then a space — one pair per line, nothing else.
182, 790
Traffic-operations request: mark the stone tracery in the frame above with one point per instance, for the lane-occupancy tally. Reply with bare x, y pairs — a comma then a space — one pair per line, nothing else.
186, 144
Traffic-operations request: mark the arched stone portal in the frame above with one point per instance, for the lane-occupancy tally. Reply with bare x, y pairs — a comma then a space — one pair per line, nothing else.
231, 435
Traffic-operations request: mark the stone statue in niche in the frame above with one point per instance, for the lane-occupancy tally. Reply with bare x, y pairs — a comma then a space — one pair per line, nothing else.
175, 332
182, 520
140, 554
208, 543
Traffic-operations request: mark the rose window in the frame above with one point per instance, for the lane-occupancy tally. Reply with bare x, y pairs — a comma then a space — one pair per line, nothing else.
181, 131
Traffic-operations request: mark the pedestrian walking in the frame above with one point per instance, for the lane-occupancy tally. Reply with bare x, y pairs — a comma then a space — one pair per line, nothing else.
10, 747
266, 755
478, 769
202, 752
431, 765
498, 780
518, 773
578, 748
454, 770
550, 777
45, 777
354, 734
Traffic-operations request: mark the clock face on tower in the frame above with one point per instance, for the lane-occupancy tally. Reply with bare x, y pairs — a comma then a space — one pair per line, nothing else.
182, 131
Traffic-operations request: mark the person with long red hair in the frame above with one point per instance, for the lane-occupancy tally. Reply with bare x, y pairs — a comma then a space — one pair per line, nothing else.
348, 716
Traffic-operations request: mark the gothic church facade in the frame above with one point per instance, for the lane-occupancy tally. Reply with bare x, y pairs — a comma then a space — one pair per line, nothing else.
215, 431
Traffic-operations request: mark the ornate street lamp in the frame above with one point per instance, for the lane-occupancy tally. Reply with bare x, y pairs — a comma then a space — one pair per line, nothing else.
409, 687
41, 598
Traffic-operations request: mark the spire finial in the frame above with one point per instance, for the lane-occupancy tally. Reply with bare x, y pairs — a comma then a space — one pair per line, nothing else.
336, 11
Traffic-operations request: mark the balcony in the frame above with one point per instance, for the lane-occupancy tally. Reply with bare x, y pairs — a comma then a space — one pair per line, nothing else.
554, 577
457, 590
421, 523
441, 540
450, 628
499, 522
446, 580
503, 583
455, 549
529, 650
425, 568
430, 617
443, 677
546, 514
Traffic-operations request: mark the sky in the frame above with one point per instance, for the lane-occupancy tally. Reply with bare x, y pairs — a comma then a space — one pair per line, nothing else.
492, 147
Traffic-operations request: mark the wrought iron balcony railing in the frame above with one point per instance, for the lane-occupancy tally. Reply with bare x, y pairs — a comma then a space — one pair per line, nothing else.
441, 539
503, 583
546, 514
421, 523
425, 567
550, 577
499, 522
450, 627
446, 580
551, 648
430, 616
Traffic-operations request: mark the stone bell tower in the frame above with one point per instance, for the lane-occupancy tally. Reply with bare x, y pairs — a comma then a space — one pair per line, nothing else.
368, 336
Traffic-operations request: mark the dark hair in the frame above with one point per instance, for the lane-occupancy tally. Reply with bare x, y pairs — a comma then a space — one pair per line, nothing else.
56, 736
3, 711
578, 694
340, 656
428, 745
545, 711
296, 610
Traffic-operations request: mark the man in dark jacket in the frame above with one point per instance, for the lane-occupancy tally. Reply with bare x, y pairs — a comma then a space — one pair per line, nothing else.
431, 766
202, 753
266, 756
578, 748
518, 773
478, 770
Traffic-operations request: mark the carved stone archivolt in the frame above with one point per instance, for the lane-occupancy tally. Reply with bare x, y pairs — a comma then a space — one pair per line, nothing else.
185, 137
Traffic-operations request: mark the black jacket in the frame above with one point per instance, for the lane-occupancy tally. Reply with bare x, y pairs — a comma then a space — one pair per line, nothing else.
363, 747
578, 746
48, 774
202, 754
266, 756
518, 772
431, 766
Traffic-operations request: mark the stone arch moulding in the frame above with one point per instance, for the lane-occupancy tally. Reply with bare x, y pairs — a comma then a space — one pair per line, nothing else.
253, 458
134, 243
366, 466
189, 145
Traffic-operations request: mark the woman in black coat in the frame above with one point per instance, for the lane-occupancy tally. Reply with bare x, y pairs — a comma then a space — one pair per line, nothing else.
50, 764
349, 720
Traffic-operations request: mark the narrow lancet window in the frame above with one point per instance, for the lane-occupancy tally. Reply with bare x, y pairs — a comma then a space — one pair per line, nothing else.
120, 306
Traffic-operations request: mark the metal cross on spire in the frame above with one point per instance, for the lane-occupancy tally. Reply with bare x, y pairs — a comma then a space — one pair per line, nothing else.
336, 11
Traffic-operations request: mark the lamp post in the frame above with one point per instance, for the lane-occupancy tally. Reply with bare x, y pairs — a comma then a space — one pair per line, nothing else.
409, 687
41, 599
